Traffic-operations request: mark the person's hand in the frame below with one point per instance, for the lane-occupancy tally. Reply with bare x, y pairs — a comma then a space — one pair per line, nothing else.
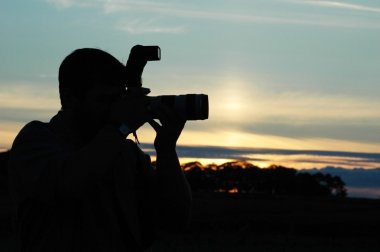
130, 110
172, 124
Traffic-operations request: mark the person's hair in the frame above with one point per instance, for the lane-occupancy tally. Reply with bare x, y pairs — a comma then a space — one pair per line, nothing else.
83, 68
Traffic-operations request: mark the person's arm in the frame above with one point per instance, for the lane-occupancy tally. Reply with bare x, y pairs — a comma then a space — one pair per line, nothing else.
173, 190
173, 195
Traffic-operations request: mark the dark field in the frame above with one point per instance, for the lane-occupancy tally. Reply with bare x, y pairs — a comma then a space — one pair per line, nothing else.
247, 223
237, 223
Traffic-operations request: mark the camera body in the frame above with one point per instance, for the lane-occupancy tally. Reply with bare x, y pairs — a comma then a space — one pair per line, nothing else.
191, 106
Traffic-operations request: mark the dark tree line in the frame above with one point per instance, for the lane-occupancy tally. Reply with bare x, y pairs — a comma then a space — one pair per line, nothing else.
245, 178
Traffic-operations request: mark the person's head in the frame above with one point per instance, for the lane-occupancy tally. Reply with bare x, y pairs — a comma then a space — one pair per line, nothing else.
84, 69
89, 81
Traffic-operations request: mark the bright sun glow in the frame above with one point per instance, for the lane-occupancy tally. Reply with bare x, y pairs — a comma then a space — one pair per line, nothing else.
233, 104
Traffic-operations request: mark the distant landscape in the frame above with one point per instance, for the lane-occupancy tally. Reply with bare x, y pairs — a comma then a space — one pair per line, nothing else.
245, 178
360, 183
357, 182
240, 207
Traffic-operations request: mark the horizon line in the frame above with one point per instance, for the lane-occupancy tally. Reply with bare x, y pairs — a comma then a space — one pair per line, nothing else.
329, 158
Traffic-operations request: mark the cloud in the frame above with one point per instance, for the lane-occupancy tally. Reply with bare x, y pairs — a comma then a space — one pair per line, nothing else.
21, 102
357, 177
23, 115
61, 3
367, 132
302, 107
28, 95
282, 156
359, 182
297, 115
338, 5
65, 4
242, 16
114, 6
138, 26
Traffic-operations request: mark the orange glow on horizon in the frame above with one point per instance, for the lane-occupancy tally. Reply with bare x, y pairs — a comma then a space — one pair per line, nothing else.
205, 161
233, 190
234, 139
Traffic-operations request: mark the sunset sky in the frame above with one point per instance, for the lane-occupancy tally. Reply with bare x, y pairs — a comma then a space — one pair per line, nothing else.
289, 75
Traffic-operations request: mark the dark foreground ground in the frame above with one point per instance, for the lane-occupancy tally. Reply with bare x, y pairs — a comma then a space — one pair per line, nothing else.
240, 223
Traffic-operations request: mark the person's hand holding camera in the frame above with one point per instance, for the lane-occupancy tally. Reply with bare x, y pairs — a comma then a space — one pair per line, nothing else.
172, 124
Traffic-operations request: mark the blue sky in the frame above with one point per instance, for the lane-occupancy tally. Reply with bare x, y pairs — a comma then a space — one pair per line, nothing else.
286, 74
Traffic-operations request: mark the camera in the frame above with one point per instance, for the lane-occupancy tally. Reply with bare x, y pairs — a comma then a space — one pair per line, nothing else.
191, 106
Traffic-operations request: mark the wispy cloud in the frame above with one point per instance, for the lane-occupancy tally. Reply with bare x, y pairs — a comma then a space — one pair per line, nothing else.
64, 4
27, 96
22, 102
138, 26
114, 6
111, 6
309, 158
338, 5
300, 107
295, 114
242, 16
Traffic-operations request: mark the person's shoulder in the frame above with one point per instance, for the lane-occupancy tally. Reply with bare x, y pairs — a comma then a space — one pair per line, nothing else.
36, 124
34, 127
31, 130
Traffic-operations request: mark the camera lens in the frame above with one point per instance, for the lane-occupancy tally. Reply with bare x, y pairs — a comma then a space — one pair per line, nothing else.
191, 106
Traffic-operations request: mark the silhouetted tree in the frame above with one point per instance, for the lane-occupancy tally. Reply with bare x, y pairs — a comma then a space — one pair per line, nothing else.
197, 177
243, 177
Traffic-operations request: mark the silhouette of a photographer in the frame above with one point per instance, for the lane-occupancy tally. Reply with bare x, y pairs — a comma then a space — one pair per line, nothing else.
79, 184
